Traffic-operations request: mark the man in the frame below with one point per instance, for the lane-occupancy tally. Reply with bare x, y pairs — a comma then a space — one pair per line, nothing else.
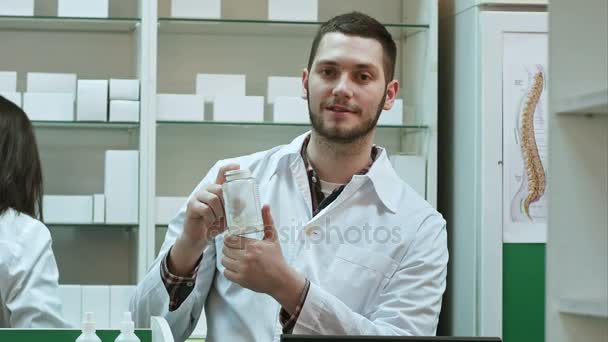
348, 247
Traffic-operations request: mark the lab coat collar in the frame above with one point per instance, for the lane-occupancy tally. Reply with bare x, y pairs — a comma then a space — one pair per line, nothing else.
381, 174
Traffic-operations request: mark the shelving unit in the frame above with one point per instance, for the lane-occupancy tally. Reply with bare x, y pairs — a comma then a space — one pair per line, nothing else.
141, 40
591, 103
577, 241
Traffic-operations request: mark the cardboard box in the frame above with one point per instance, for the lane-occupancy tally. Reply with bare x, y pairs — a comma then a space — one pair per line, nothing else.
180, 107
238, 108
8, 80
412, 169
121, 187
92, 100
124, 111
167, 208
17, 7
13, 96
44, 82
120, 296
284, 86
71, 304
290, 110
96, 299
124, 89
293, 10
212, 85
49, 106
79, 8
394, 116
210, 9
99, 208
58, 209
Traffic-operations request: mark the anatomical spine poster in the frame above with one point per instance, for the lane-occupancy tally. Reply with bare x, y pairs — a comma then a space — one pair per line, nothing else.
525, 126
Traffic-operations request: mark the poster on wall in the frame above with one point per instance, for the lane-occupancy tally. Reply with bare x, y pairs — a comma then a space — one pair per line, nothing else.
525, 127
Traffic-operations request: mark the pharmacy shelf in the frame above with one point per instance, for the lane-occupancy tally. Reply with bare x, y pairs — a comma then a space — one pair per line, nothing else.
46, 23
85, 125
263, 27
272, 124
595, 102
584, 307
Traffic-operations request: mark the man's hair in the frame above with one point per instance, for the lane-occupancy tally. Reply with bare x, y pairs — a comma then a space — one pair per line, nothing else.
20, 170
360, 25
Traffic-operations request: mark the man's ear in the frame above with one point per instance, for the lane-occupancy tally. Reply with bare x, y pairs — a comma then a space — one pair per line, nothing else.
391, 94
305, 83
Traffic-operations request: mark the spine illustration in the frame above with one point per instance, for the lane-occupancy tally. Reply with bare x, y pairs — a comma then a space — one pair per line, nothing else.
533, 165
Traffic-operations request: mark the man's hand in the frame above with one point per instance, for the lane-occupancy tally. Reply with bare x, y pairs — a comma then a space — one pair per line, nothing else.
259, 265
205, 218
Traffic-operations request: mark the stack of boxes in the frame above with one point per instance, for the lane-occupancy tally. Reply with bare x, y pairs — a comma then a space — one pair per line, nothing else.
281, 10
65, 8
124, 100
62, 97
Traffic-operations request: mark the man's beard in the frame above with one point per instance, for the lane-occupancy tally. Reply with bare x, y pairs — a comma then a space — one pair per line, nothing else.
342, 136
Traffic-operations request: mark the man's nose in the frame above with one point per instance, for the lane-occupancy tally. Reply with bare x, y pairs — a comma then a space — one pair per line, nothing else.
343, 87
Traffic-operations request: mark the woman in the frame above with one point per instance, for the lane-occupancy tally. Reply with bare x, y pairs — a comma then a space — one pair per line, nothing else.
28, 272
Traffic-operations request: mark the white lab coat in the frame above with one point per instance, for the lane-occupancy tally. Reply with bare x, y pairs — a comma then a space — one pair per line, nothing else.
28, 274
376, 258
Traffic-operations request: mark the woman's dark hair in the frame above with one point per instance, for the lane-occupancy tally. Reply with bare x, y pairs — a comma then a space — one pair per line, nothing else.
20, 169
361, 25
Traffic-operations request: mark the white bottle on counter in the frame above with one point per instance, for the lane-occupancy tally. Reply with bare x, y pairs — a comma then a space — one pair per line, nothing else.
127, 329
88, 329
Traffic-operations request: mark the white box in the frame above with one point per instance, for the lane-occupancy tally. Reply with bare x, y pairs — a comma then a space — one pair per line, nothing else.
8, 80
238, 108
71, 304
121, 187
124, 111
67, 209
283, 86
96, 299
394, 116
124, 89
212, 85
290, 110
211, 9
92, 100
167, 208
13, 96
180, 107
17, 7
412, 169
99, 208
49, 106
120, 296
44, 82
294, 10
79, 8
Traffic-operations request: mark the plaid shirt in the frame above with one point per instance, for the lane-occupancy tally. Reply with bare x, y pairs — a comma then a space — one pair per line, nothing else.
179, 288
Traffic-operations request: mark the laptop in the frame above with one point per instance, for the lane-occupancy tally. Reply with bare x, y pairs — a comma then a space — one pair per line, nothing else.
311, 338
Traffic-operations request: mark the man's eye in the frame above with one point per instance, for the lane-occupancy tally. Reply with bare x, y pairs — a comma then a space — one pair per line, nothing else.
364, 77
327, 72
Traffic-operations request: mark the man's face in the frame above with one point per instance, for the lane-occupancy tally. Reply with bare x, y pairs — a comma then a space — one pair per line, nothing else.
346, 87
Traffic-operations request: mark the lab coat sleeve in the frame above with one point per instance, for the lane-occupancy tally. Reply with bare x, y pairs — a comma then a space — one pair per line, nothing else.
408, 305
151, 297
32, 294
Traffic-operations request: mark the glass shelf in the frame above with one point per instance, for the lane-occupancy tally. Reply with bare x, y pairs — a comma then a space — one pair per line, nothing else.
45, 23
263, 27
271, 124
89, 225
85, 125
